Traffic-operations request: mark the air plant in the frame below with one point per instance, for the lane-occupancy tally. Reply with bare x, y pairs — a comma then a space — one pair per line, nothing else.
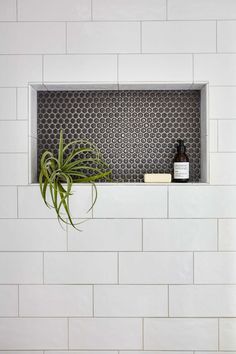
76, 162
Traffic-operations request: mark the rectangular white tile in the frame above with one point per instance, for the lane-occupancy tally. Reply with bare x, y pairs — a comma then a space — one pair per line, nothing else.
72, 68
8, 103
7, 10
213, 135
129, 10
222, 102
19, 70
131, 202
32, 38
156, 268
52, 10
227, 134
162, 67
225, 36
227, 234
103, 37
8, 209
178, 37
80, 202
55, 300
227, 334
24, 352
105, 333
81, 352
15, 169
202, 202
80, 268
219, 164
28, 333
21, 268
8, 300
13, 136
179, 235
215, 268
22, 103
218, 69
107, 235
201, 9
32, 235
180, 334
202, 301
130, 301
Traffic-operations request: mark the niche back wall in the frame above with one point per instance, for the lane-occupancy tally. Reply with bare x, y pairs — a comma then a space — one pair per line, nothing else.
154, 268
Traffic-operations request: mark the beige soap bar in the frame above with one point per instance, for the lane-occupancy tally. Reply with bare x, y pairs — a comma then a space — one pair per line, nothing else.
157, 178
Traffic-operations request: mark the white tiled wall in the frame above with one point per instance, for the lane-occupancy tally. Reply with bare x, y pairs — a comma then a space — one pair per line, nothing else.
155, 266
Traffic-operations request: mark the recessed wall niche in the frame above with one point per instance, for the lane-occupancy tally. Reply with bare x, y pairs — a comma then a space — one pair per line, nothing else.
135, 130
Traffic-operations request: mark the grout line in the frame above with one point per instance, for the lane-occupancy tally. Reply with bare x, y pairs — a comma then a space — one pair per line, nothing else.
218, 224
18, 300
216, 36
193, 266
66, 39
128, 20
91, 13
93, 303
141, 37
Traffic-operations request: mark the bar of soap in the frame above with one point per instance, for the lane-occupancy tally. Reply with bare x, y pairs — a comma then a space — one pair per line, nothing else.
157, 178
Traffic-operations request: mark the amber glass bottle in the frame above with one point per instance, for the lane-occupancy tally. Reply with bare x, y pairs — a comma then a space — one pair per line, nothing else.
181, 163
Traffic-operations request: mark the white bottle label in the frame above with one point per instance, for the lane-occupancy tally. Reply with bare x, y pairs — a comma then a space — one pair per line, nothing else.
181, 170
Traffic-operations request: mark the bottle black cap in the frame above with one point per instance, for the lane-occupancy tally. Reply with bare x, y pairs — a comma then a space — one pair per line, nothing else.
181, 147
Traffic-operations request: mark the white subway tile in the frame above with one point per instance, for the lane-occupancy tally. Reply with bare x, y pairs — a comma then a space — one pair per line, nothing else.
81, 352
202, 301
219, 164
178, 37
72, 68
105, 333
222, 102
54, 10
130, 301
227, 334
201, 9
7, 10
8, 300
202, 202
213, 135
31, 204
19, 70
225, 36
8, 209
55, 300
129, 10
32, 235
180, 334
162, 67
15, 169
227, 134
215, 268
131, 202
8, 103
103, 37
22, 103
218, 69
24, 352
107, 235
21, 268
227, 236
179, 235
156, 268
80, 268
28, 333
13, 136
150, 352
32, 38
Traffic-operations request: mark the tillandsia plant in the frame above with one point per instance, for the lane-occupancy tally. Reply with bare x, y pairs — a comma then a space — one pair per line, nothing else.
76, 162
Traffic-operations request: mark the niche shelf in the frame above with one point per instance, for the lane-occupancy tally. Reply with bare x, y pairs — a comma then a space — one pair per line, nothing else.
135, 128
